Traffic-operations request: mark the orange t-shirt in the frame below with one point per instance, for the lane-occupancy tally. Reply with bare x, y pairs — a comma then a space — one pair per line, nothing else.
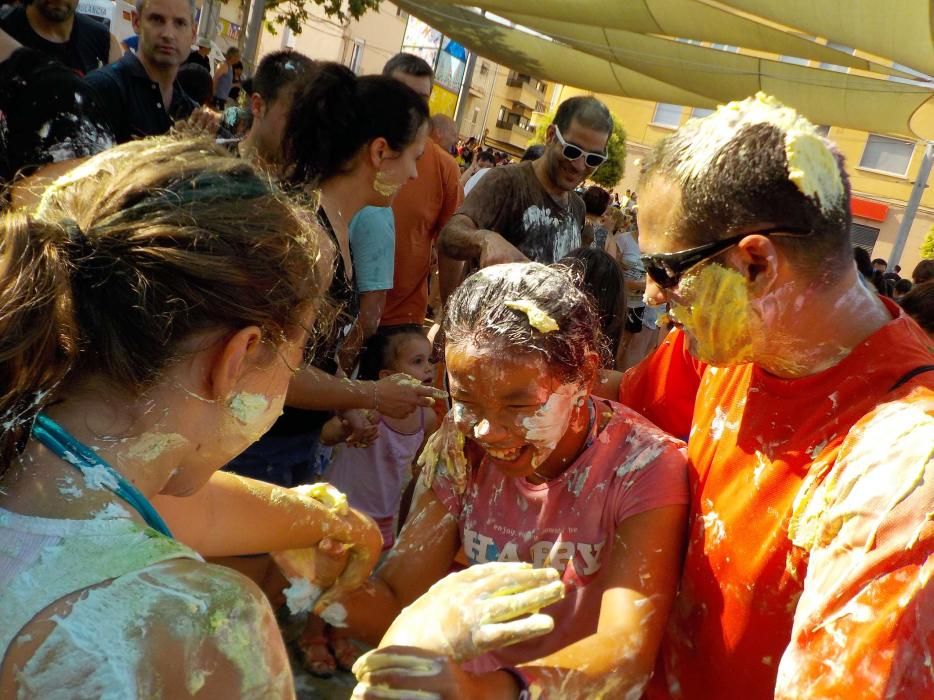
421, 210
809, 552
663, 387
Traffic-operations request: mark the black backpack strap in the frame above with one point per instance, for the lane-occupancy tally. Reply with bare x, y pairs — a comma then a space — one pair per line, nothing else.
911, 375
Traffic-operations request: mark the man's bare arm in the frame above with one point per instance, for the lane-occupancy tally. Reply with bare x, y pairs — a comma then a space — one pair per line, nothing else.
461, 239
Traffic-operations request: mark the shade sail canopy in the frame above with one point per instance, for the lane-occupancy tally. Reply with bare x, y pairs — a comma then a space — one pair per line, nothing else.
875, 57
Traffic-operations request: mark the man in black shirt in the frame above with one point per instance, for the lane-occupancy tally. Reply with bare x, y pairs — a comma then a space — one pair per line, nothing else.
48, 114
140, 92
201, 55
53, 27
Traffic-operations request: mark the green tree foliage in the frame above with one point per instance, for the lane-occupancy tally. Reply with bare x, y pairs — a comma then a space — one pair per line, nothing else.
542, 128
294, 13
610, 173
927, 246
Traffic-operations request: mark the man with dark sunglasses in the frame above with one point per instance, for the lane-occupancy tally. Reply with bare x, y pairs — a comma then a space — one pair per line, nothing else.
811, 406
530, 211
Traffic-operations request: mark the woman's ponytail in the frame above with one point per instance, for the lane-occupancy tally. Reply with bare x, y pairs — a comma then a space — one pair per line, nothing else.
324, 130
38, 333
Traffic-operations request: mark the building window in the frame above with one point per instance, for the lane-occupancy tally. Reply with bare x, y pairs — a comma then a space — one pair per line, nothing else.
699, 112
476, 114
863, 236
887, 155
288, 39
823, 130
484, 68
402, 13
356, 56
667, 115
501, 117
725, 47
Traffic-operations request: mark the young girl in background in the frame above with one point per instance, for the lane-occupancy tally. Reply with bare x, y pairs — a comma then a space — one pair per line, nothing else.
601, 276
373, 477
540, 472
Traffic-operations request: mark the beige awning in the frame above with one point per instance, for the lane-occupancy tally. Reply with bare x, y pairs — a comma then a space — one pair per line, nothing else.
643, 49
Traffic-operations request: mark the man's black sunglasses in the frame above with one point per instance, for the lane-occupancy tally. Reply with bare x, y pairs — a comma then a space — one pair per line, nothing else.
666, 269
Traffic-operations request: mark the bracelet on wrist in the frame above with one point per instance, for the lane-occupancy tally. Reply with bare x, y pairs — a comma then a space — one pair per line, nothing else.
521, 679
376, 396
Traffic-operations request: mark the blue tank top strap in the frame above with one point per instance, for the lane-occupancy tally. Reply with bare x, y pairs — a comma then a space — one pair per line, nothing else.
81, 457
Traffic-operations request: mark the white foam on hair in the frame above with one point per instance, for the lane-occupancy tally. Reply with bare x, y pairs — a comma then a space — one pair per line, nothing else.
811, 164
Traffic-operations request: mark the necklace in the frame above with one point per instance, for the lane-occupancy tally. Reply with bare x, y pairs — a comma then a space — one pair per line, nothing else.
81, 457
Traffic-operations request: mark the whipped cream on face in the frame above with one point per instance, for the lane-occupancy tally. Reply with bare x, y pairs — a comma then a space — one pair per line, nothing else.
547, 426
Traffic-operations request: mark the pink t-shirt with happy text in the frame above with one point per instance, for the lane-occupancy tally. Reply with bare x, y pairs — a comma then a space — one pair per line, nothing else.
627, 468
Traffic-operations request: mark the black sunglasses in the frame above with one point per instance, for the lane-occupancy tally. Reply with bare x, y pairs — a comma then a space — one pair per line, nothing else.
572, 152
666, 269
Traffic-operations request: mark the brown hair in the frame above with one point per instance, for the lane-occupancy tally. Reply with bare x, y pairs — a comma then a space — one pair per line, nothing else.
918, 303
923, 272
133, 252
477, 313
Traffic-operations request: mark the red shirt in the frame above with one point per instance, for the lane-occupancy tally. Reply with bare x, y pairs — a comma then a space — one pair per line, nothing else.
809, 551
663, 387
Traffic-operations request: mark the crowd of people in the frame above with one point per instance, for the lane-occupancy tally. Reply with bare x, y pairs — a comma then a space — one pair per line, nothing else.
326, 381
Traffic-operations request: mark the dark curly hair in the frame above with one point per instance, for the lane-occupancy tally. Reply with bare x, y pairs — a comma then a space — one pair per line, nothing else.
477, 312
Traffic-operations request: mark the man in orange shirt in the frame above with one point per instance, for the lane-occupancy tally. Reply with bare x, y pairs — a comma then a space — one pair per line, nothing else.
421, 209
808, 567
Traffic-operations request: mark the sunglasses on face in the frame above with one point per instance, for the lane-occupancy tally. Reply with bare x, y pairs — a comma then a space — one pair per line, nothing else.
666, 269
572, 152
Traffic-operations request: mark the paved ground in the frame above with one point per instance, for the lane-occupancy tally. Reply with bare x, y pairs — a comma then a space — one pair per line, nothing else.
307, 687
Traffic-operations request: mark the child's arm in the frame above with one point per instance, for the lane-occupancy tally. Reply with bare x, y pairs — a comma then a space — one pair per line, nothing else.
421, 557
405, 503
232, 515
333, 432
642, 578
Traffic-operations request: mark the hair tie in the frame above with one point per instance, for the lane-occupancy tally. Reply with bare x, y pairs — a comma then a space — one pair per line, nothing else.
77, 244
87, 264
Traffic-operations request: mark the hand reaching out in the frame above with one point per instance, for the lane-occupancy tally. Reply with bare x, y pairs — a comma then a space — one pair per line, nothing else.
446, 452
494, 249
339, 563
202, 121
397, 396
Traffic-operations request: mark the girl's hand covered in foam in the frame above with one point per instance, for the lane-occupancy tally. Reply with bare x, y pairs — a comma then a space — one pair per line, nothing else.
341, 563
498, 592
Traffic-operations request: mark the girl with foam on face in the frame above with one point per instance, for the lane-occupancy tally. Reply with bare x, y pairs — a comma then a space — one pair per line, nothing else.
547, 475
